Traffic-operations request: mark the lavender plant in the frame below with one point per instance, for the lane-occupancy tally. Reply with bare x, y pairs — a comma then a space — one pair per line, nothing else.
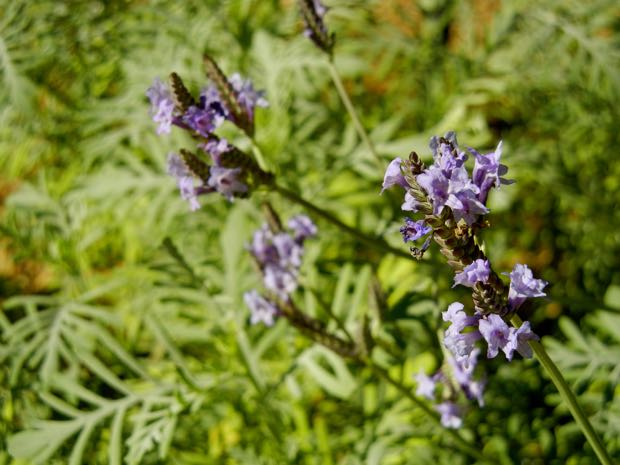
452, 203
124, 361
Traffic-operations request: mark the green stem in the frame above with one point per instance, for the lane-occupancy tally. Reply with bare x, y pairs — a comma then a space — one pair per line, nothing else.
373, 241
258, 153
465, 446
352, 112
568, 396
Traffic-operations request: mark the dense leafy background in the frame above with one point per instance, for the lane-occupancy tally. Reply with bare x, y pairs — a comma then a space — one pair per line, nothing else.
124, 336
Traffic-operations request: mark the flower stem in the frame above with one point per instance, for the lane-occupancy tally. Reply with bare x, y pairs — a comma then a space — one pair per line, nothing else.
463, 445
373, 241
568, 396
352, 112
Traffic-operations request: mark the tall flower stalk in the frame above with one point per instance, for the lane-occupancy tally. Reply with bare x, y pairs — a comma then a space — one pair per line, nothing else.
453, 206
313, 13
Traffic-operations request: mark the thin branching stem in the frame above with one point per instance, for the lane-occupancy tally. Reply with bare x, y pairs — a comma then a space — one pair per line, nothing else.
373, 241
463, 444
346, 100
568, 396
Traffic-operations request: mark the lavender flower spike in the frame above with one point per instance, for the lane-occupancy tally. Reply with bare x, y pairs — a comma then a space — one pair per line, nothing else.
478, 270
162, 105
393, 176
262, 310
523, 285
496, 332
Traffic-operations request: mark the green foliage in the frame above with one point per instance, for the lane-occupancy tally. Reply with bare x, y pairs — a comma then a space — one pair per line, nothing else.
123, 336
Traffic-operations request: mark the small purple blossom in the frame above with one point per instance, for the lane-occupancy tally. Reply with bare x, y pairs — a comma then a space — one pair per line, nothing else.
517, 340
393, 175
460, 344
289, 251
185, 180
477, 271
462, 197
247, 97
279, 255
203, 121
496, 332
426, 385
414, 230
302, 227
262, 310
226, 181
216, 148
281, 281
262, 247
458, 318
523, 285
450, 415
436, 185
488, 171
463, 374
162, 105
410, 204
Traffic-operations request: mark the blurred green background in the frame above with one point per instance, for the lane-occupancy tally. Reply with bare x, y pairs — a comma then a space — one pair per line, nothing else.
123, 324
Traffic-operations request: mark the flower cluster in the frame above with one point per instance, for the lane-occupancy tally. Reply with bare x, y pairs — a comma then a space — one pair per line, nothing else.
204, 178
465, 330
457, 376
278, 255
225, 169
446, 183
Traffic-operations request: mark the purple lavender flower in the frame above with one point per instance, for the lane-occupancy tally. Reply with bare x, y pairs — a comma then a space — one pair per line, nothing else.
517, 340
162, 105
476, 271
496, 332
458, 318
226, 181
302, 227
216, 148
460, 344
281, 281
279, 255
202, 120
436, 185
463, 374
462, 197
426, 385
262, 247
289, 251
393, 175
410, 204
261, 309
185, 180
210, 99
247, 97
488, 171
523, 285
414, 230
450, 414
